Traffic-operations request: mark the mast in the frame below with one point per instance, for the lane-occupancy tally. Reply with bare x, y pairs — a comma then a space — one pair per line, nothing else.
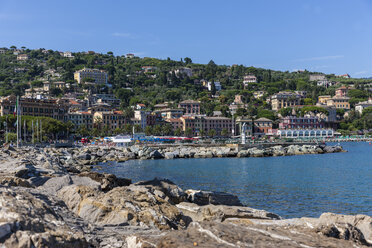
24, 131
17, 110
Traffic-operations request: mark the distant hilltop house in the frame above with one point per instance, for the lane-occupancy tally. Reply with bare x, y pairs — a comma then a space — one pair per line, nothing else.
22, 57
149, 68
216, 84
362, 105
129, 55
325, 83
185, 71
343, 76
99, 76
259, 94
2, 50
67, 55
317, 77
249, 79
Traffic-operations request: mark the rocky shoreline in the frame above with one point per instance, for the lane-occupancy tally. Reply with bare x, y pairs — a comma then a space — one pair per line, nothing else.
91, 155
50, 198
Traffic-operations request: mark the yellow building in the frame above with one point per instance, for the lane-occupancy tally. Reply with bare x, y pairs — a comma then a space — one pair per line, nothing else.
99, 76
285, 99
339, 102
110, 119
324, 99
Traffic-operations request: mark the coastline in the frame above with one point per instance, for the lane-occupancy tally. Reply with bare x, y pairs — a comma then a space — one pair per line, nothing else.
48, 201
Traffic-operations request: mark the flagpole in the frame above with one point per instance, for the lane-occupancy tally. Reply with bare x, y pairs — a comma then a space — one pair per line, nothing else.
24, 131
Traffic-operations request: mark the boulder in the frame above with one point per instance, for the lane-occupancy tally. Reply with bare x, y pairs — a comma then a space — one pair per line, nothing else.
222, 212
200, 197
30, 219
107, 181
174, 193
134, 205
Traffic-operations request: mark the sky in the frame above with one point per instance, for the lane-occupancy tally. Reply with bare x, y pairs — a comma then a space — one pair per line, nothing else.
330, 36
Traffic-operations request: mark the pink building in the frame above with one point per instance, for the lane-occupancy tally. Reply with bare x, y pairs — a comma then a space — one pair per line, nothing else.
294, 122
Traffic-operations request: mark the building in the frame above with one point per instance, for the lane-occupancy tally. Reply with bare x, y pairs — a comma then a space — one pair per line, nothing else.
259, 94
149, 69
245, 127
169, 113
216, 84
249, 79
103, 107
2, 51
306, 133
175, 123
262, 126
67, 55
339, 102
22, 57
306, 122
141, 115
110, 119
324, 99
59, 85
285, 99
342, 91
140, 106
106, 99
317, 77
54, 108
362, 105
190, 107
161, 106
81, 119
343, 76
188, 123
325, 83
129, 55
183, 71
99, 76
238, 99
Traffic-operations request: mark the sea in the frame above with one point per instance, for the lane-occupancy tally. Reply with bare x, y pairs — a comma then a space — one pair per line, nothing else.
291, 186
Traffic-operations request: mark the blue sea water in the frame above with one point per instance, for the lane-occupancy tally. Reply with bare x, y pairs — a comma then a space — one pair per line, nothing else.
292, 186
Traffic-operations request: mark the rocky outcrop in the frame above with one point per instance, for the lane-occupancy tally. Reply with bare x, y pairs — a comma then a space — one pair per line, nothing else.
107, 181
133, 205
29, 219
210, 197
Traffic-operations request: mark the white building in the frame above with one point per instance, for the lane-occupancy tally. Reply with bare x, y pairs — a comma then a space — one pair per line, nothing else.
67, 55
305, 133
141, 116
186, 71
317, 77
362, 105
216, 84
249, 79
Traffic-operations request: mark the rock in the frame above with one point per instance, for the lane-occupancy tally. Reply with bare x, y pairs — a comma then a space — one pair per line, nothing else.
29, 219
222, 212
208, 197
350, 227
107, 181
10, 181
171, 190
133, 205
169, 155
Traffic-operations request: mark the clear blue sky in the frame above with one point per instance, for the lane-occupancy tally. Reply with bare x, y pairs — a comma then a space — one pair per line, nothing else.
331, 36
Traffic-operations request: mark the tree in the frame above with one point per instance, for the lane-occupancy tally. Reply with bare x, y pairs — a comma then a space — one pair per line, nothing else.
188, 132
224, 132
213, 88
124, 95
212, 133
187, 60
178, 132
110, 53
148, 130
82, 131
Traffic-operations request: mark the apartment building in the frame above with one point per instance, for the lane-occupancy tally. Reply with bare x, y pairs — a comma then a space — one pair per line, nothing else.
285, 99
249, 79
80, 119
183, 71
110, 119
262, 126
190, 107
22, 57
306, 122
54, 108
99, 76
